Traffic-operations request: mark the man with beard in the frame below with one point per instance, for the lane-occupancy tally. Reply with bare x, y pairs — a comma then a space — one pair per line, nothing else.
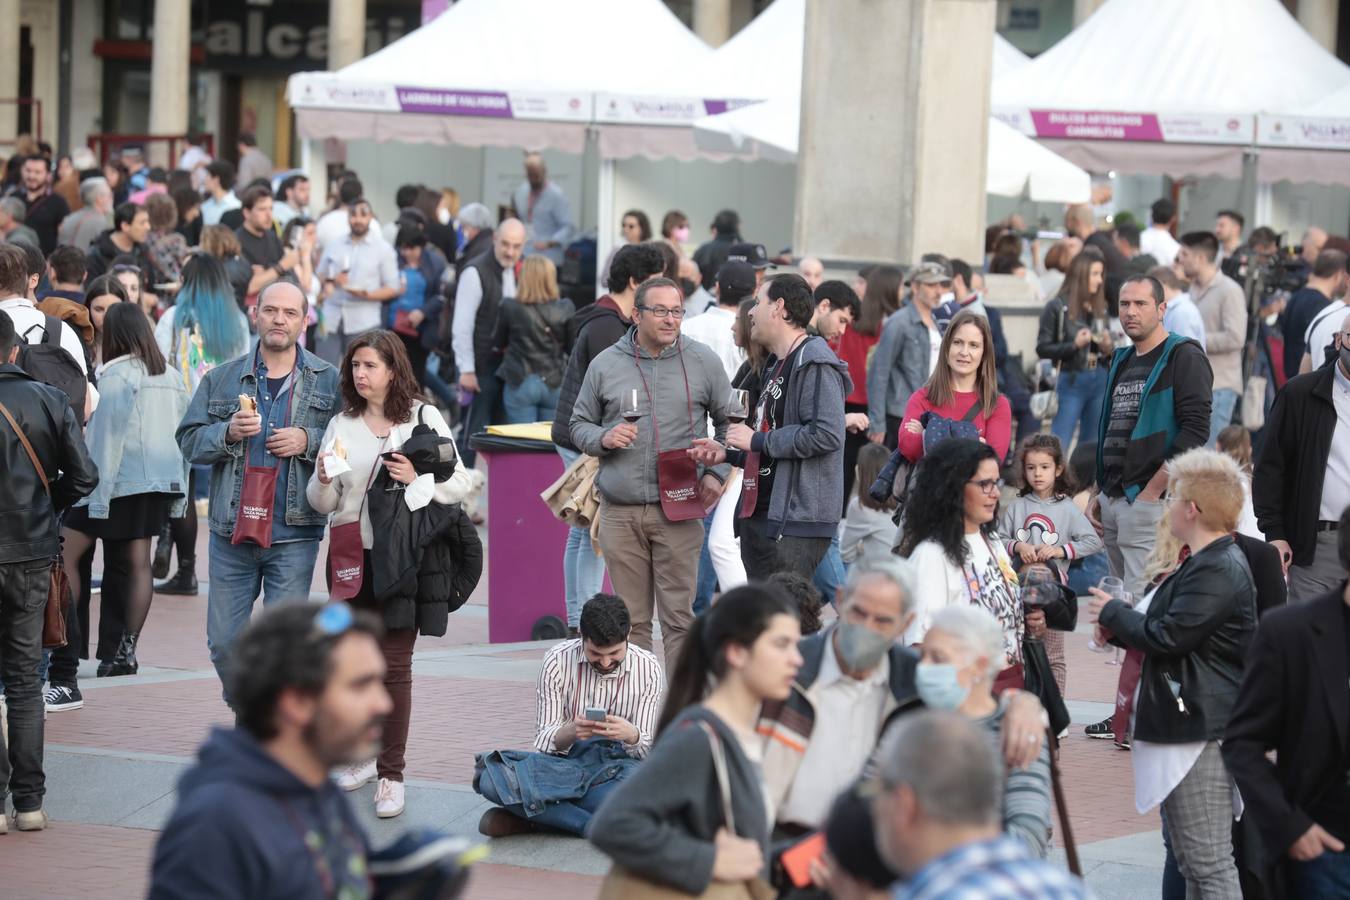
45, 209
599, 697
263, 412
359, 272
258, 816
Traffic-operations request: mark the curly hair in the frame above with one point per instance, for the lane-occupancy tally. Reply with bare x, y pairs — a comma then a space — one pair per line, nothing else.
403, 389
935, 508
605, 621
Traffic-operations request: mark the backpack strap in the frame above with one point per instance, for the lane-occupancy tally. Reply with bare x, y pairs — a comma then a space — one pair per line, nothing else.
52, 329
972, 412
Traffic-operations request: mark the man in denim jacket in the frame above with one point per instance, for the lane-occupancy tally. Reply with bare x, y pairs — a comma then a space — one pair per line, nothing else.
296, 394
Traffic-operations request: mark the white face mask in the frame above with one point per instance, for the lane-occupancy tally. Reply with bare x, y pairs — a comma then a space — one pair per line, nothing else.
443, 216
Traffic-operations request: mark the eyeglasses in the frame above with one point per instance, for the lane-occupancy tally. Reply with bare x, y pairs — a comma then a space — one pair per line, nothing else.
662, 312
1170, 498
988, 486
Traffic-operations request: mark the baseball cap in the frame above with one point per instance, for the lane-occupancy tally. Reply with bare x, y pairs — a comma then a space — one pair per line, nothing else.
930, 273
754, 254
735, 281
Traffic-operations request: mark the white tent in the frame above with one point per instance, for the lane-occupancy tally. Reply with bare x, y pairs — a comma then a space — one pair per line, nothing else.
1309, 144
534, 73
770, 130
1168, 86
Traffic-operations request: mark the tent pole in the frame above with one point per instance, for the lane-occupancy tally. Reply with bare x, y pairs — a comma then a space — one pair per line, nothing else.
604, 232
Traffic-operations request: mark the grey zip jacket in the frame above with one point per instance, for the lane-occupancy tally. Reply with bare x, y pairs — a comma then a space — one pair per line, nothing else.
628, 476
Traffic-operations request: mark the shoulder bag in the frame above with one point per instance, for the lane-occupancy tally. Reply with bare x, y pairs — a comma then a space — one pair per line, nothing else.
58, 587
1045, 404
621, 884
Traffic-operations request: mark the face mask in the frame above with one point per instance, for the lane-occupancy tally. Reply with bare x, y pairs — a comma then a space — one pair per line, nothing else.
1345, 359
860, 649
681, 235
938, 687
443, 216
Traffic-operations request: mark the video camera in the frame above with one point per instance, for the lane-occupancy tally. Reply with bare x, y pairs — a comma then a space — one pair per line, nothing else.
1265, 278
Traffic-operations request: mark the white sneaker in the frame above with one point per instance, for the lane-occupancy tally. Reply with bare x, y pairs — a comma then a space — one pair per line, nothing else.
389, 799
353, 777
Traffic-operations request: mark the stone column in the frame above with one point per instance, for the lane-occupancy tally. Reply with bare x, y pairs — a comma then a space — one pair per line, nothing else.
1084, 8
712, 21
346, 32
170, 56
9, 73
1321, 18
892, 172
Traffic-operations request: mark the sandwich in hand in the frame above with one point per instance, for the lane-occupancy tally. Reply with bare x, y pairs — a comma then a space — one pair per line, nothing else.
339, 449
247, 404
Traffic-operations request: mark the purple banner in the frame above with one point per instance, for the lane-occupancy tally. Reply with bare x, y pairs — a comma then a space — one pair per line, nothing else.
1096, 125
492, 104
433, 8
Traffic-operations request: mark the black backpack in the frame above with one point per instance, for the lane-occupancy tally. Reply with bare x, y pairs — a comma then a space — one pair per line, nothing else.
50, 363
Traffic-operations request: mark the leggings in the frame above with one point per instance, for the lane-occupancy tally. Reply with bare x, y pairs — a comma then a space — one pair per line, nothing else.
128, 588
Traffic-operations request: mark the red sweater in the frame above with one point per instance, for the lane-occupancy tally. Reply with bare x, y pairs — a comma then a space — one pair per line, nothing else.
855, 348
996, 430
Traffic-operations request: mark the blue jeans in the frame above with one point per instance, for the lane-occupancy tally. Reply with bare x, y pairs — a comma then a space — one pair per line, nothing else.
1326, 876
555, 791
571, 816
830, 574
707, 575
1081, 396
237, 573
530, 401
1221, 413
583, 570
432, 379
1086, 572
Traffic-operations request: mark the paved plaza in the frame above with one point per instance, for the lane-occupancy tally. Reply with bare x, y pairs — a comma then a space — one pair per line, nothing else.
112, 766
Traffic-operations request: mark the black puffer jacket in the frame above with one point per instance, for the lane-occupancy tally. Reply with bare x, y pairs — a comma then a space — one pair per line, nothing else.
1194, 637
429, 560
597, 327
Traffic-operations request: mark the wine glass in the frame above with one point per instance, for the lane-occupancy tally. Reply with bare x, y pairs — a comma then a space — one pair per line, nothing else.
1115, 589
738, 405
630, 410
1040, 587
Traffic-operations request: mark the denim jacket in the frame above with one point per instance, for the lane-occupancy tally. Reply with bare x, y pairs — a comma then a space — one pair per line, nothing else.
898, 368
128, 436
201, 434
534, 780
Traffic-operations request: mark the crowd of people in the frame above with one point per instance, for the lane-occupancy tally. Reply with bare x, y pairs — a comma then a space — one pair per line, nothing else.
847, 530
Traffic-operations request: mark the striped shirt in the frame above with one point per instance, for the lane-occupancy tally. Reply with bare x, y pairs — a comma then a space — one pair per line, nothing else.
568, 684
991, 870
1026, 792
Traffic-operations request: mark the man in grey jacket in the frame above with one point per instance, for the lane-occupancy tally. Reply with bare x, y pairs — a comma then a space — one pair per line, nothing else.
677, 384
905, 354
794, 453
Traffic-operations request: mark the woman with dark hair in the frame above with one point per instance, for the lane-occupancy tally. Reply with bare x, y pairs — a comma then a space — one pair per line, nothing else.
1075, 334
949, 537
203, 329
142, 477
165, 247
301, 234
666, 824
380, 410
99, 296
963, 389
189, 205
635, 228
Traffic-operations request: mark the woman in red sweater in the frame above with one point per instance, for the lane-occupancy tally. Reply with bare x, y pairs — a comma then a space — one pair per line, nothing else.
965, 375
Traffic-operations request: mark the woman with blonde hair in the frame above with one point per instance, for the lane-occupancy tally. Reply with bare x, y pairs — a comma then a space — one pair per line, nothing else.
536, 329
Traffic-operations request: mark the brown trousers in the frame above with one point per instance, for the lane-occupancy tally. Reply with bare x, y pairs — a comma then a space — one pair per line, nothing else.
652, 562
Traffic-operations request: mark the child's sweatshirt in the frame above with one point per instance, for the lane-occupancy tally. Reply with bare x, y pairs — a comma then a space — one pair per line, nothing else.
1057, 522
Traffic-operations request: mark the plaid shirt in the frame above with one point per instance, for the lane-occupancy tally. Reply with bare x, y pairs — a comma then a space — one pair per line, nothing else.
991, 870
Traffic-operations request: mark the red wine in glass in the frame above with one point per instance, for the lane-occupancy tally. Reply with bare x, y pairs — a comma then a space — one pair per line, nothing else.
738, 406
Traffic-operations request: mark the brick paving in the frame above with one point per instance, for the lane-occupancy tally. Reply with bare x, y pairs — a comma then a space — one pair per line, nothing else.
453, 718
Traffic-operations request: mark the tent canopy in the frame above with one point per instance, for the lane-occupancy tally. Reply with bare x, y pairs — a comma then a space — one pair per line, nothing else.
1175, 72
770, 130
508, 73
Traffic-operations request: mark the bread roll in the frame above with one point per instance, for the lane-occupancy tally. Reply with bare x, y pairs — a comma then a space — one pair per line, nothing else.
246, 404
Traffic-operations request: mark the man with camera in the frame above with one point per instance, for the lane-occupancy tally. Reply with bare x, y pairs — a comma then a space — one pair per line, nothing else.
598, 699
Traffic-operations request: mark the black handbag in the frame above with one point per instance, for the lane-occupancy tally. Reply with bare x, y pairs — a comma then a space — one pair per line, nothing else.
1040, 680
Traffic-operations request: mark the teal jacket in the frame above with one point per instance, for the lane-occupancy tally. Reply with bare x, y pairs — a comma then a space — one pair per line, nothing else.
1173, 416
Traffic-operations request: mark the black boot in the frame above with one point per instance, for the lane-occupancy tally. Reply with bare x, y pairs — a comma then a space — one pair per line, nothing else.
104, 668
124, 663
159, 566
183, 583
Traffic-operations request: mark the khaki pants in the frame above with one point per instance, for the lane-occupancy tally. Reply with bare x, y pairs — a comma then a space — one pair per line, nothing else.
652, 562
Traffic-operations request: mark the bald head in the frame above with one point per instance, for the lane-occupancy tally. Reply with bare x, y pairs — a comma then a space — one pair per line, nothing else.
509, 242
1314, 239
536, 172
812, 270
1078, 220
280, 315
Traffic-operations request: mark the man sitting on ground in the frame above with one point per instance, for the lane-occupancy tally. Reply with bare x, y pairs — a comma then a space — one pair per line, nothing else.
598, 699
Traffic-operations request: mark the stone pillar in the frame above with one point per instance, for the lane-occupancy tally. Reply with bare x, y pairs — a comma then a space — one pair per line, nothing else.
1321, 18
890, 173
170, 56
1084, 8
346, 32
712, 21
9, 73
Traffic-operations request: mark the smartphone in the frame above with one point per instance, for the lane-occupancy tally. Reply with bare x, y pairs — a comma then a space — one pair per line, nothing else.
596, 713
389, 455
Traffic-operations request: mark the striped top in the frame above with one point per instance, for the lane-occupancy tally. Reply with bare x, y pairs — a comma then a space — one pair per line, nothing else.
1026, 792
568, 684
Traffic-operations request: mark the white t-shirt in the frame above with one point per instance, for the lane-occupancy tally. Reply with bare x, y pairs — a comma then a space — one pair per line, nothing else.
986, 580
934, 348
1322, 330
1159, 243
713, 328
29, 323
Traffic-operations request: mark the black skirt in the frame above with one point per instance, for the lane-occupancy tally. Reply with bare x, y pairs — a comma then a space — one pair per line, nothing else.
131, 517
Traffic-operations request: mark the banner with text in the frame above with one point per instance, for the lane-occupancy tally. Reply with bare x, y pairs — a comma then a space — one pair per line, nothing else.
1107, 125
319, 90
1303, 132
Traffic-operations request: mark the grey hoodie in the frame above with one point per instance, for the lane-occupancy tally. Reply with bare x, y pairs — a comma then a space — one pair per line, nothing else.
629, 476
808, 484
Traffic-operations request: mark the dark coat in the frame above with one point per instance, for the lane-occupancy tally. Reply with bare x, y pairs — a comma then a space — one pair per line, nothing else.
1292, 701
1267, 573
596, 328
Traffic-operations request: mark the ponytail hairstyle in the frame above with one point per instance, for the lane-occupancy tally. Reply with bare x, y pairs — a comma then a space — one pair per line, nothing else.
739, 617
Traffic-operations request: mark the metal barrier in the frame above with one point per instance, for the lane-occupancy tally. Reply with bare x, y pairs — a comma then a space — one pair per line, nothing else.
103, 145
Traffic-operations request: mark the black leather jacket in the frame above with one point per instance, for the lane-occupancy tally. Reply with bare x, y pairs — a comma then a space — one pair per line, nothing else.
537, 338
1195, 637
28, 525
